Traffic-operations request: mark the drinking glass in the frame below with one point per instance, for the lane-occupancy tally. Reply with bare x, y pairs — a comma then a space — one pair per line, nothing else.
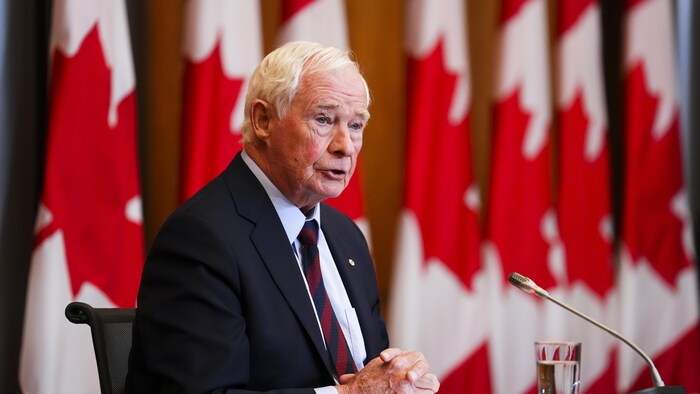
558, 367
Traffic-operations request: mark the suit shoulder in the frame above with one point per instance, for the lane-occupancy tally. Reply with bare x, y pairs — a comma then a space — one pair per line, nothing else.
212, 199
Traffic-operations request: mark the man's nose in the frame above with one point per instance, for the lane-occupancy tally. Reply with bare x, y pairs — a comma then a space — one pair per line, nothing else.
342, 143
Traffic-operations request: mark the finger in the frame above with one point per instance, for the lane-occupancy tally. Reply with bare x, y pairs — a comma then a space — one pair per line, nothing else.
388, 354
416, 364
346, 378
404, 359
397, 360
428, 382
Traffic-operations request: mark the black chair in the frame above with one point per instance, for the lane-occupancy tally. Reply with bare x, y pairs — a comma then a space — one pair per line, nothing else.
111, 338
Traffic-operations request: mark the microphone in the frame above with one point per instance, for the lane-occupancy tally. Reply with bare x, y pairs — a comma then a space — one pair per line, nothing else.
528, 285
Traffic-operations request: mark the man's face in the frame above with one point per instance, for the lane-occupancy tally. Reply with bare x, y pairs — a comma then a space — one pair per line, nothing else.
313, 148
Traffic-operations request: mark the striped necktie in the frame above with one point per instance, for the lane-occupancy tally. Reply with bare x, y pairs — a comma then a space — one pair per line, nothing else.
332, 333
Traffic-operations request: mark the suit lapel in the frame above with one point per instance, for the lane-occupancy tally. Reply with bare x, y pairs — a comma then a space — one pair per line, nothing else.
274, 249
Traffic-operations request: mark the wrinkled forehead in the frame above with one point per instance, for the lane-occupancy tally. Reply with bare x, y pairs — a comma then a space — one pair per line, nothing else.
346, 81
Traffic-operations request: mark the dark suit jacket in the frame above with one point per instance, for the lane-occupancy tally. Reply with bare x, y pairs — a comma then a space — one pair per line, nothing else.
223, 306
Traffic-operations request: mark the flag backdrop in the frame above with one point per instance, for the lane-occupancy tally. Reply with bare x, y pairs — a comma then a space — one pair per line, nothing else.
563, 239
222, 45
438, 298
521, 223
88, 234
584, 198
658, 282
314, 20
548, 213
324, 21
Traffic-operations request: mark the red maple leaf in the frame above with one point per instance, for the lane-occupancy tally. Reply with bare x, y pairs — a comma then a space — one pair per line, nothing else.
439, 169
208, 144
520, 195
471, 375
91, 175
653, 177
584, 202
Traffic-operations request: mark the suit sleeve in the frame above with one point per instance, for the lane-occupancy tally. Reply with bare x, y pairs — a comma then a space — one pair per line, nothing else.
190, 333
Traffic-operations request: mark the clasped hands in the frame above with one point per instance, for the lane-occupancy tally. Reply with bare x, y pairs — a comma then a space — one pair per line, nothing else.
394, 371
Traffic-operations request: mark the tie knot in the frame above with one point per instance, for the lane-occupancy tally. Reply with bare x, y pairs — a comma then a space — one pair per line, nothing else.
309, 233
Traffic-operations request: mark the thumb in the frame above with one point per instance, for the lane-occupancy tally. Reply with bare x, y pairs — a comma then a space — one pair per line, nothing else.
346, 378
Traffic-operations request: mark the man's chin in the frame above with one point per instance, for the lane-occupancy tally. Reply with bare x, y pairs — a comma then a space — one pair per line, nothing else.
333, 193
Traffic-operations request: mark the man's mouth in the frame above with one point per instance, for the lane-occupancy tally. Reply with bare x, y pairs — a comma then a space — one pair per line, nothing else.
335, 173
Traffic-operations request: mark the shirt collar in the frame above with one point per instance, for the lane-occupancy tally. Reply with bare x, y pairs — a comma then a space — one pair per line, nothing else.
290, 215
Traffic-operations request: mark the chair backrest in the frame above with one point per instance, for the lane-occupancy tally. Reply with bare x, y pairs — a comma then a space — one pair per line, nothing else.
111, 338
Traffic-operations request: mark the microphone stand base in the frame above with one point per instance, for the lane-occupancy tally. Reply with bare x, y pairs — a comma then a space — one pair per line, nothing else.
662, 390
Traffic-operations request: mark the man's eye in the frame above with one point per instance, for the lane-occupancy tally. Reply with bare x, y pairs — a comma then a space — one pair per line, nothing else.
323, 120
356, 126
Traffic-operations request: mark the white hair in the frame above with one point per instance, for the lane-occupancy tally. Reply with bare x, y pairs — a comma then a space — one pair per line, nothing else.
276, 79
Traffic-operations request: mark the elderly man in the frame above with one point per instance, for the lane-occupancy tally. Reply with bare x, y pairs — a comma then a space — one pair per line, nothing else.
254, 284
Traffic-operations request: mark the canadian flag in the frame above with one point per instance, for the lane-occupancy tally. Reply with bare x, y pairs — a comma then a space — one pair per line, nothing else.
522, 227
314, 20
584, 203
657, 276
324, 21
439, 302
222, 47
89, 238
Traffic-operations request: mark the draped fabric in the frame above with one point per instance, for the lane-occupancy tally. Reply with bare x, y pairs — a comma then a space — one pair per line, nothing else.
550, 209
584, 206
222, 46
88, 233
521, 225
438, 299
657, 276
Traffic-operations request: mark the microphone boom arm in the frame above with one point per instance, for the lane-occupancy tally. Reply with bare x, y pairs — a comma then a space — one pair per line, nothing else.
658, 382
527, 285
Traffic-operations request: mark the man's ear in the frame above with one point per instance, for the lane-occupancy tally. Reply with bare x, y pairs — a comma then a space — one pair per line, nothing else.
260, 117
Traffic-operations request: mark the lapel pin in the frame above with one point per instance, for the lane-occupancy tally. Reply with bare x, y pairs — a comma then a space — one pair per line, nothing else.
351, 262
